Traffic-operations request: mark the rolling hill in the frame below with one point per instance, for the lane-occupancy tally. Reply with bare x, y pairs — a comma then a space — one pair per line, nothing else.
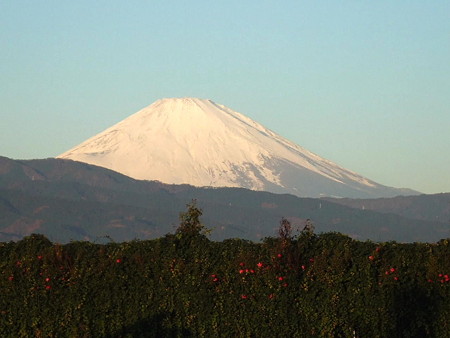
68, 200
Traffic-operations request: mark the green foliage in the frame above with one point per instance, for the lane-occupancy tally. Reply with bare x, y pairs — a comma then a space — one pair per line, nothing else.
190, 220
285, 232
181, 285
190, 224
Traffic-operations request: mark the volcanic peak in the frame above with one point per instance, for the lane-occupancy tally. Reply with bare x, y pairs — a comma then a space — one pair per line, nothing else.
202, 143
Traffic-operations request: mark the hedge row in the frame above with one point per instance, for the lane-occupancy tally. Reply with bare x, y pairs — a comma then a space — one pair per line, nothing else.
185, 285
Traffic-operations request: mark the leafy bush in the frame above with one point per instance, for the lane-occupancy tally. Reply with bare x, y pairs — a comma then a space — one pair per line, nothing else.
317, 285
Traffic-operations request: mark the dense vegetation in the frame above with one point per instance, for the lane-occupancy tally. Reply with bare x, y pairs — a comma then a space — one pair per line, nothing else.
183, 284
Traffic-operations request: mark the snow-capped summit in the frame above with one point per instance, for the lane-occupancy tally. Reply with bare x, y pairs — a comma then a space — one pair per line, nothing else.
202, 143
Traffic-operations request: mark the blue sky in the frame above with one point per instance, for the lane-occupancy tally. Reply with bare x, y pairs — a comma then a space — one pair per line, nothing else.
365, 84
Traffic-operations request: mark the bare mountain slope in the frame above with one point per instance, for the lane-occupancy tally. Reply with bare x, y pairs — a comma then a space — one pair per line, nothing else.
199, 142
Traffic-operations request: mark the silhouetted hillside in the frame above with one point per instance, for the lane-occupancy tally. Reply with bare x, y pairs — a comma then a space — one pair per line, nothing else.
68, 200
434, 207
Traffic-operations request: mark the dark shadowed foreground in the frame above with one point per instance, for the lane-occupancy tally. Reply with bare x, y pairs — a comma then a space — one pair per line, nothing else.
183, 285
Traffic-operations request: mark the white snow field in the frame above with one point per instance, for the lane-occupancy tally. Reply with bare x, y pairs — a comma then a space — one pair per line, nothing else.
202, 143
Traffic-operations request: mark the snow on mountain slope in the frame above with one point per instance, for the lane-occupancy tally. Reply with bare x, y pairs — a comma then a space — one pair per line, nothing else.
202, 143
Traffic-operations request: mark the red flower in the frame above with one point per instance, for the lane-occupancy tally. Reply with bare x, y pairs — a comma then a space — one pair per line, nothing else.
213, 276
252, 271
215, 279
241, 271
303, 267
47, 279
285, 284
242, 264
279, 255
271, 296
39, 257
371, 258
48, 287
395, 278
377, 249
280, 278
260, 265
430, 281
244, 296
311, 260
118, 260
11, 278
392, 270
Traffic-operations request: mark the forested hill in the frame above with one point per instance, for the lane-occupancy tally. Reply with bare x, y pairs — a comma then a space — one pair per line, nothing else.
67, 200
434, 207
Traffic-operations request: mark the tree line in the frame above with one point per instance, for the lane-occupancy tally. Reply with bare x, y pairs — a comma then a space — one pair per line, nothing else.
183, 284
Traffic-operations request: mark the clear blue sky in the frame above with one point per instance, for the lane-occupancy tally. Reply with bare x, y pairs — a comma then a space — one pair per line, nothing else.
365, 84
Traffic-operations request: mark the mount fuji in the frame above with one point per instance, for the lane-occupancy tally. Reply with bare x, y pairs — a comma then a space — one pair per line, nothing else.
202, 143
